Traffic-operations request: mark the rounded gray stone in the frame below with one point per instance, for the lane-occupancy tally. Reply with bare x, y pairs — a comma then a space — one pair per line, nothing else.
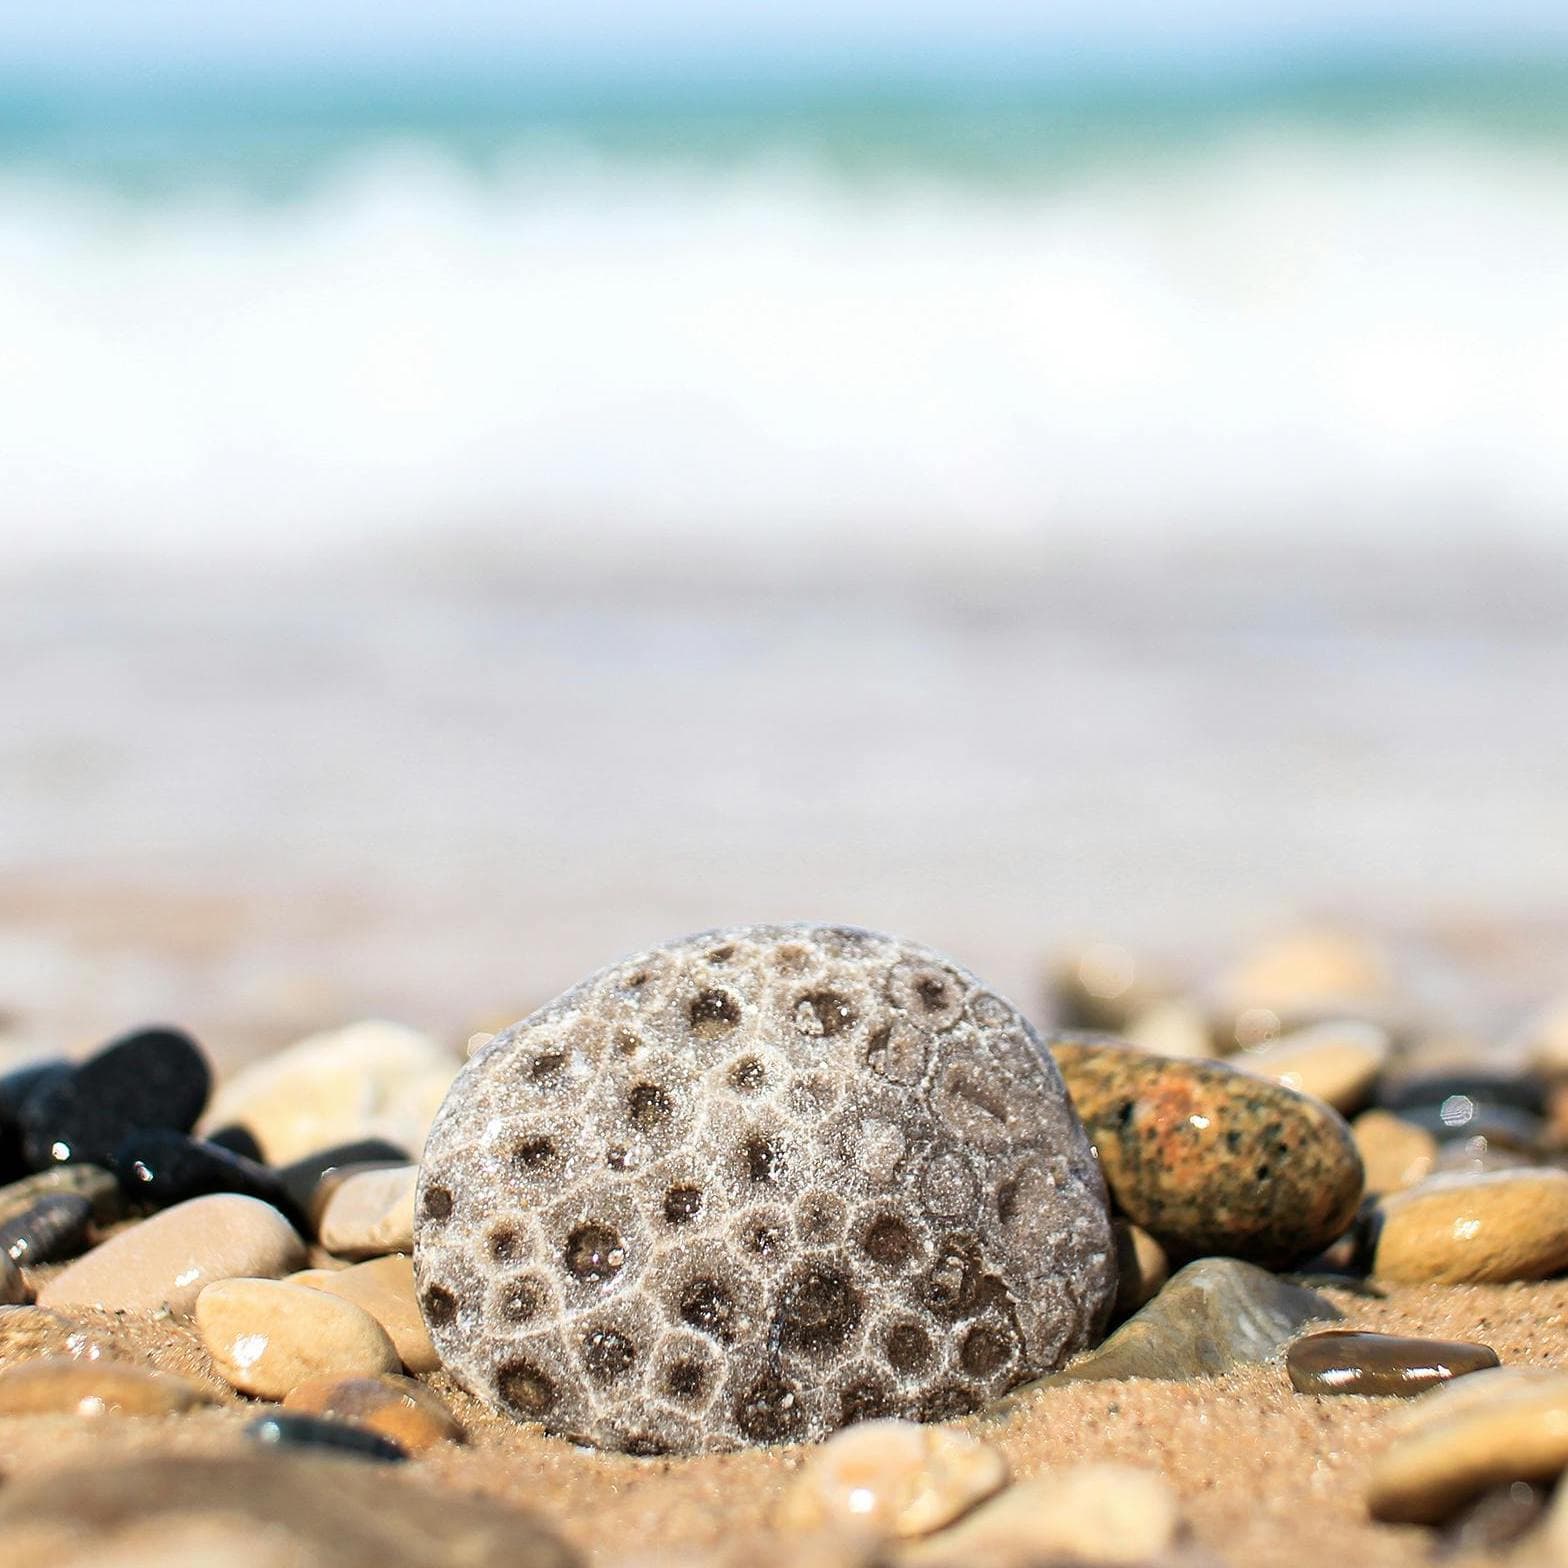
756, 1184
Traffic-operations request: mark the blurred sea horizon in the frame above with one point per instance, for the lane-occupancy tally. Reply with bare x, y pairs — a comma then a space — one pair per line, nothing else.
987, 319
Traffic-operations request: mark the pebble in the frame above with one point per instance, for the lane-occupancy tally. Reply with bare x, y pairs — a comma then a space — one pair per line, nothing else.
1307, 971
369, 1080
1141, 1268
92, 1182
399, 1408
1088, 1513
302, 1178
384, 1287
1521, 1092
1338, 1062
1494, 1521
267, 1336
66, 1385
1104, 986
152, 1078
1515, 1431
371, 1213
237, 1140
1395, 1154
1349, 1361
15, 1087
292, 1430
1214, 1314
892, 1478
13, 1288
168, 1260
1210, 1160
53, 1228
158, 1168
1474, 1229
753, 1186
265, 1510
1174, 1027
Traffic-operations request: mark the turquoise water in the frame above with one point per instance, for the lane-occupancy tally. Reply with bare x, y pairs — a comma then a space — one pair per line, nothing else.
274, 134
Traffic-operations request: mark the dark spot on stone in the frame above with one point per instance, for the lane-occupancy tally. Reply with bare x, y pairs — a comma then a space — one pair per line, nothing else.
957, 1285
522, 1301
616, 1159
649, 1106
748, 1075
440, 1304
627, 1043
763, 1160
438, 1203
714, 1013
526, 1388
721, 955
791, 957
818, 1310
686, 1380
946, 1404
908, 1347
608, 1354
682, 1204
534, 1154
985, 1350
1262, 1173
889, 1241
547, 1065
769, 1410
933, 993
766, 1239
706, 1306
505, 1244
645, 1446
823, 1014
593, 1253
864, 1400
1007, 1200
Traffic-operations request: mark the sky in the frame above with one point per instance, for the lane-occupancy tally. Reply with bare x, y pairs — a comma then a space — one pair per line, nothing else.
616, 31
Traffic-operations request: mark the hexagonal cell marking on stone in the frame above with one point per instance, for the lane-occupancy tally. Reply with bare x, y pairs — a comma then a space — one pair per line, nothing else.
752, 1185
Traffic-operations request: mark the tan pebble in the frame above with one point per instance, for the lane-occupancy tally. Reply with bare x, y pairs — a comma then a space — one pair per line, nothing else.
13, 1288
1175, 1027
396, 1407
1515, 1431
334, 1178
1449, 1400
65, 1385
370, 1080
1395, 1153
266, 1336
1305, 970
384, 1287
371, 1214
1097, 1513
892, 1478
168, 1260
1338, 1062
1486, 1229
1141, 1267
312, 1277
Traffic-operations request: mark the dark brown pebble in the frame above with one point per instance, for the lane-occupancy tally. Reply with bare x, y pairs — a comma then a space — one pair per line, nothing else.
53, 1228
1349, 1361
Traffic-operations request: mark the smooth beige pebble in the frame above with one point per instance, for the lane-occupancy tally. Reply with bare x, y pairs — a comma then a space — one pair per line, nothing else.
64, 1385
384, 1287
267, 1336
371, 1213
1394, 1153
1475, 1229
1338, 1062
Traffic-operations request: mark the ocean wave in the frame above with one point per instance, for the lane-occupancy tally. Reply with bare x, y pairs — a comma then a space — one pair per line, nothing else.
1286, 332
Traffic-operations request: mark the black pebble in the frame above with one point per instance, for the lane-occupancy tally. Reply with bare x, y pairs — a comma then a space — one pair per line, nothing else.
158, 1168
238, 1140
16, 1089
54, 1227
286, 1430
1519, 1091
153, 1078
1461, 1116
301, 1178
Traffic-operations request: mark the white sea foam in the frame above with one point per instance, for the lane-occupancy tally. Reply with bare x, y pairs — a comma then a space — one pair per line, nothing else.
1287, 332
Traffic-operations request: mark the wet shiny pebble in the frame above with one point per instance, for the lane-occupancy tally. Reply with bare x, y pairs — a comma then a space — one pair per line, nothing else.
1474, 1229
399, 1408
294, 1431
152, 1078
1348, 1361
53, 1228
65, 1385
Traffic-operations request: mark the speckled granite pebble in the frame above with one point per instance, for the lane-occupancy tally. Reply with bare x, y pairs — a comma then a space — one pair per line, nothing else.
69, 1385
168, 1260
275, 1509
1349, 1361
1209, 1160
754, 1185
1475, 1229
